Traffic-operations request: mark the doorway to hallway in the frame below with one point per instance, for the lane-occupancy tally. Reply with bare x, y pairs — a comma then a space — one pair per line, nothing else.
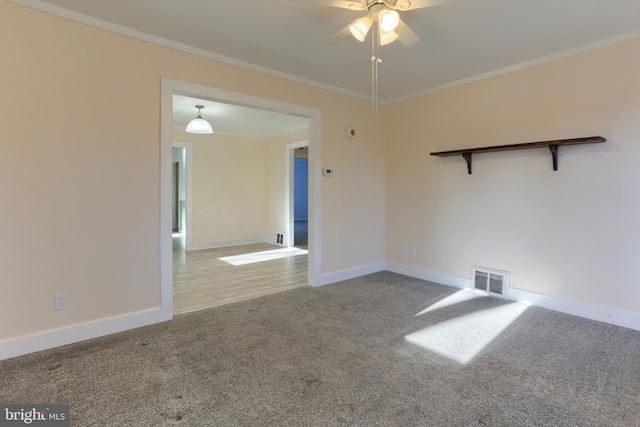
301, 198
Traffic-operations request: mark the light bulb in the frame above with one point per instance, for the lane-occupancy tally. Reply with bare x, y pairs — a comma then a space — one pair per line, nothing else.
389, 20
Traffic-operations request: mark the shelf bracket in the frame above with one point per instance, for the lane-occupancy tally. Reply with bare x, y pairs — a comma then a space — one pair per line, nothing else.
554, 154
467, 157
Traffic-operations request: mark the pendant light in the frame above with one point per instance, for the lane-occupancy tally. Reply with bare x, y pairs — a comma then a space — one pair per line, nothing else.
199, 125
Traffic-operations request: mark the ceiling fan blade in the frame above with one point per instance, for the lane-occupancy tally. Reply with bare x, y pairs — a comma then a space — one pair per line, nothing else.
417, 4
406, 35
340, 35
343, 4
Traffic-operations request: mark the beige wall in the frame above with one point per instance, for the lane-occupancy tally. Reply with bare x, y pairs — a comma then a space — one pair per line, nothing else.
81, 217
574, 233
229, 193
84, 218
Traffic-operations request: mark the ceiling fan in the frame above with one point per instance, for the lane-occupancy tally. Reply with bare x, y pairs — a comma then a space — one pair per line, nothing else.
383, 12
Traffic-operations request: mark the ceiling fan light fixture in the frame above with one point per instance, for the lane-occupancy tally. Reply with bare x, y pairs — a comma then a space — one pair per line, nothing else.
403, 4
360, 27
387, 37
389, 20
199, 125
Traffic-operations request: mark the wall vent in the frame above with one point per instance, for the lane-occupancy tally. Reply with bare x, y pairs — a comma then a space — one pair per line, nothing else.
280, 238
491, 282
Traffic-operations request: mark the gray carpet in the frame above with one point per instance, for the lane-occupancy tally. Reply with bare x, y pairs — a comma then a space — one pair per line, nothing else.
337, 356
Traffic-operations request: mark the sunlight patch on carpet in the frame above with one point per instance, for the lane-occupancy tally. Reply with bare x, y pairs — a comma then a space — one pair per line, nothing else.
463, 338
263, 256
460, 296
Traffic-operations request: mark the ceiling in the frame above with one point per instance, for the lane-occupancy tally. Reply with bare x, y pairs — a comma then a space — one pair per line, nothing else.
236, 120
461, 39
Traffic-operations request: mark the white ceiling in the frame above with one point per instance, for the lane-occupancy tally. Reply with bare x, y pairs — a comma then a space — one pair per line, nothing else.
235, 120
461, 39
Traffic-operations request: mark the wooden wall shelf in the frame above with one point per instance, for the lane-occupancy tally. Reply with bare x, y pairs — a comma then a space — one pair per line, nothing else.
466, 153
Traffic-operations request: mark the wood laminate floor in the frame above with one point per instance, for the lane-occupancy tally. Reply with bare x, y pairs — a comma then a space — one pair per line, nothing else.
202, 280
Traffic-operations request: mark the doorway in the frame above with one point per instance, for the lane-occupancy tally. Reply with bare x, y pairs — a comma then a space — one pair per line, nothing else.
171, 87
181, 189
298, 194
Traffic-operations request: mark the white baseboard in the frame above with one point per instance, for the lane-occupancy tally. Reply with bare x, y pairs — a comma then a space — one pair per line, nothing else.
432, 276
609, 315
226, 243
19, 346
272, 241
600, 313
351, 273
55, 338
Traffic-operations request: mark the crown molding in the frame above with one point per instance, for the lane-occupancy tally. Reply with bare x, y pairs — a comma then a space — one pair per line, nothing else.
523, 65
125, 31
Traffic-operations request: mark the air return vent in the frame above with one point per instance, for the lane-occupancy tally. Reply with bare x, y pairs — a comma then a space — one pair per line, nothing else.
491, 282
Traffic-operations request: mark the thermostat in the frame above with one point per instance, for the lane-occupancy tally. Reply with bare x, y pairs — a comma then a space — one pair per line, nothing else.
327, 172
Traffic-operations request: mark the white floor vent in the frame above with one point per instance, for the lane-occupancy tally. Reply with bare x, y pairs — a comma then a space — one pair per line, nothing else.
491, 282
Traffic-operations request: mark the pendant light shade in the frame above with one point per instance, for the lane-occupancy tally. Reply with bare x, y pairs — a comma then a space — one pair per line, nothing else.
387, 37
199, 125
360, 27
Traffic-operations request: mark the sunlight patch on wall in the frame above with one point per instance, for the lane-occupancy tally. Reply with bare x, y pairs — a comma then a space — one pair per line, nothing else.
463, 338
460, 296
253, 257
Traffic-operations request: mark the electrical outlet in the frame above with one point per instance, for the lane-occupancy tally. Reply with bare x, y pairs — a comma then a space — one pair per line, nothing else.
412, 252
62, 301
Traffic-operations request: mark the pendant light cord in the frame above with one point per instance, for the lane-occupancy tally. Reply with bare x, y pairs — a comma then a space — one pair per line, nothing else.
375, 62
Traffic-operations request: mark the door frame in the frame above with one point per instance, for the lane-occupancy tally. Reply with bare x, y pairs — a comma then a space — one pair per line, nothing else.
290, 199
169, 87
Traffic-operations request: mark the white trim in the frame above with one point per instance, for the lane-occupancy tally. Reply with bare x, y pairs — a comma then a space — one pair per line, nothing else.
315, 198
19, 346
523, 65
166, 158
431, 276
599, 313
226, 243
171, 87
160, 41
351, 273
272, 241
